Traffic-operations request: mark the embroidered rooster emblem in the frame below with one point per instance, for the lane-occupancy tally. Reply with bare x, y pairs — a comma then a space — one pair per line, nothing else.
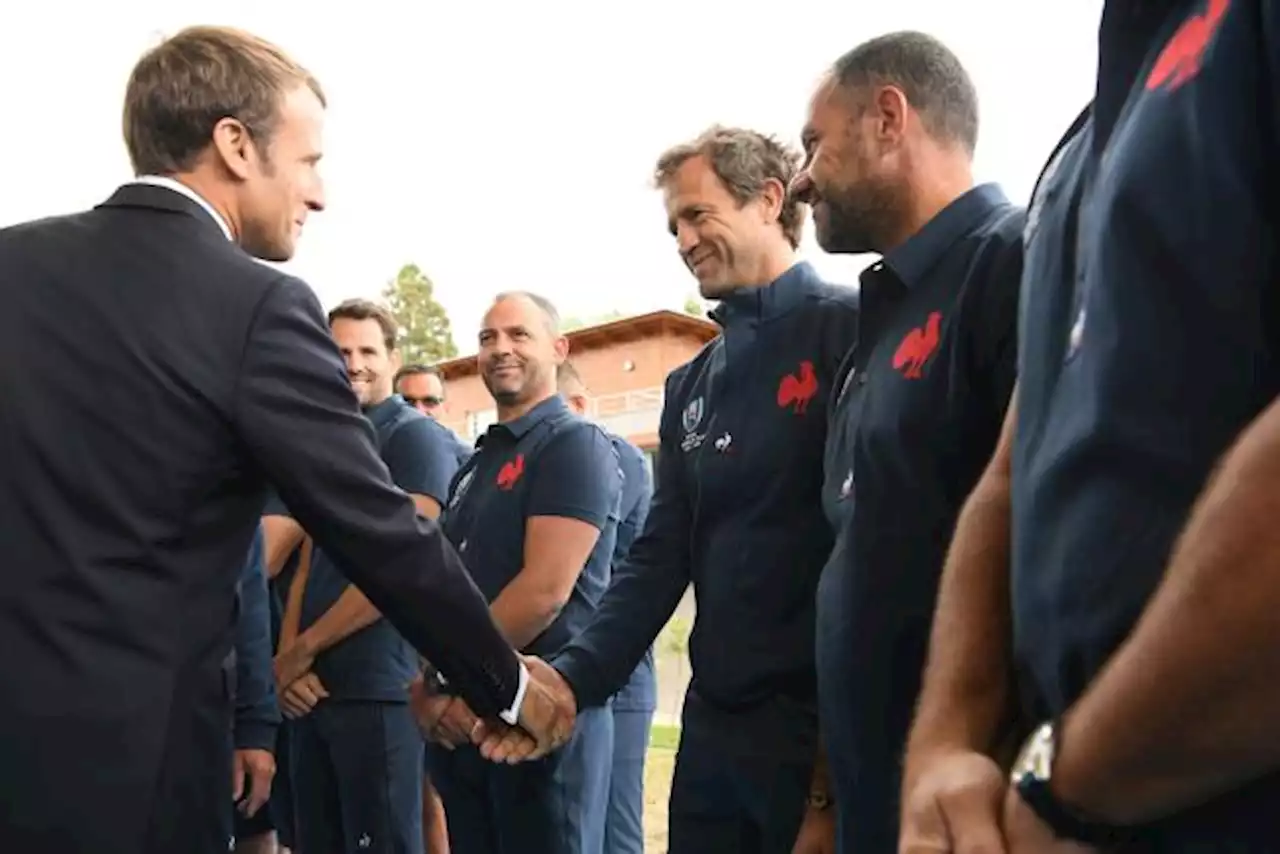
510, 473
796, 390
917, 347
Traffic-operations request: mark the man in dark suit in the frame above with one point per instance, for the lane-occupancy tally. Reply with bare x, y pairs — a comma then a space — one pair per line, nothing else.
125, 518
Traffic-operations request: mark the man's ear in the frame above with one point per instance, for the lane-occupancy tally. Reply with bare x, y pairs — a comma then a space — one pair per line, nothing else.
234, 148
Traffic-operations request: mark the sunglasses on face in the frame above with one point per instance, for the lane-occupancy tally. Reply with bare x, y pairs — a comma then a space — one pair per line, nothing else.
429, 401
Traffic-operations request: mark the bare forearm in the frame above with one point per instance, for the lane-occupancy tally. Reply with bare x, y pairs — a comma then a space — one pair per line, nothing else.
966, 700
1186, 708
523, 611
351, 613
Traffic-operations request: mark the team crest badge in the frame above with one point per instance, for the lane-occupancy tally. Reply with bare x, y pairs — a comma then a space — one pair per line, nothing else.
692, 415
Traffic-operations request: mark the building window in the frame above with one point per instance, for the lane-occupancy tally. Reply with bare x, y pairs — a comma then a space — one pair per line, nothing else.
478, 422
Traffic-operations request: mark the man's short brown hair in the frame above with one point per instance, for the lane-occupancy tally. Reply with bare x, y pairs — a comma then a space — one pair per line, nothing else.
743, 160
363, 309
184, 86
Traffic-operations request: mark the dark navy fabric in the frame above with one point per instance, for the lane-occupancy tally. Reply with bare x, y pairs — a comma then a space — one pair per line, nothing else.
376, 663
915, 420
257, 716
555, 805
548, 462
257, 713
640, 694
724, 803
1149, 332
634, 705
358, 779
738, 481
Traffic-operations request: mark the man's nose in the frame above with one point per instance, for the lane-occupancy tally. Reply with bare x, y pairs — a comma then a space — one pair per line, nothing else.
801, 188
315, 199
686, 238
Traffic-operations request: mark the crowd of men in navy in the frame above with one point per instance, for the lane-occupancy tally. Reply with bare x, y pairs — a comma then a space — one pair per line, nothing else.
983, 549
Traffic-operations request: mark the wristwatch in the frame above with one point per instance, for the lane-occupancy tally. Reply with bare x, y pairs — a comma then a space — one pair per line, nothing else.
432, 682
1031, 776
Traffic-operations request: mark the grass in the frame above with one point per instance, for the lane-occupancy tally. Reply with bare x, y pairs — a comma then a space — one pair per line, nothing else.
658, 768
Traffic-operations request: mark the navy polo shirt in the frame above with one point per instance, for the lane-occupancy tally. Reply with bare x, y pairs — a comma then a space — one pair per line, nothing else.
916, 416
640, 694
376, 663
1150, 331
548, 462
735, 512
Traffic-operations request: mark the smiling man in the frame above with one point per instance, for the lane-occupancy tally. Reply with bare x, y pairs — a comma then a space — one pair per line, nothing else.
889, 145
739, 473
535, 514
343, 678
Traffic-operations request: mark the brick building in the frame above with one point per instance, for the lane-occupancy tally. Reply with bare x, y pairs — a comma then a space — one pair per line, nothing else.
623, 362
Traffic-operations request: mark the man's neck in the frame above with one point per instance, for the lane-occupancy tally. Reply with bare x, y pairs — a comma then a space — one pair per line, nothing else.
949, 180
776, 264
772, 265
381, 400
208, 190
519, 410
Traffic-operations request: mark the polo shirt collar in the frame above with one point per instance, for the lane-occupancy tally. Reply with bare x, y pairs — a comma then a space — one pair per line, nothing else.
913, 260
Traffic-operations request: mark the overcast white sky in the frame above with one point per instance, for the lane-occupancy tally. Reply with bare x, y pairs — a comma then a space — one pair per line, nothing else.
509, 144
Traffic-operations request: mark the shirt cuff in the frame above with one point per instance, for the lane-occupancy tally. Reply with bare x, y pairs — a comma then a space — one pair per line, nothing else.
255, 735
512, 715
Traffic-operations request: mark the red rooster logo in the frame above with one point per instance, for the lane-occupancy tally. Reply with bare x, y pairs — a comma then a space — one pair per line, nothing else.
917, 347
1180, 60
510, 473
796, 390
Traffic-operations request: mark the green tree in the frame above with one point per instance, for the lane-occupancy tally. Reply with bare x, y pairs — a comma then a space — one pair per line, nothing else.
674, 638
695, 305
425, 334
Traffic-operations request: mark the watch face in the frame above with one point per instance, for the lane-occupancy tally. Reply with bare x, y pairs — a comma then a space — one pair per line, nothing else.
1036, 758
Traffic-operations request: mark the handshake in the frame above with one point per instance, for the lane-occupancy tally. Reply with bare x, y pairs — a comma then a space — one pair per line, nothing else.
546, 718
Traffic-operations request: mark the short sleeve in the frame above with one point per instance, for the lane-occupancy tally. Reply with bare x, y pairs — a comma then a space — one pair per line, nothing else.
576, 476
422, 459
275, 506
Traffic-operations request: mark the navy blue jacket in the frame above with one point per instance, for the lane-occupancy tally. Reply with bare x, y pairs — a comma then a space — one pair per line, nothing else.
737, 513
257, 712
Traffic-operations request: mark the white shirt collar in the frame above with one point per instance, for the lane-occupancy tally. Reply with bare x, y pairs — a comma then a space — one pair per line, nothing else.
179, 187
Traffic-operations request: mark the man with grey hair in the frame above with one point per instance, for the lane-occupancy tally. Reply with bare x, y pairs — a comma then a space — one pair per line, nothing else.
739, 471
535, 513
889, 143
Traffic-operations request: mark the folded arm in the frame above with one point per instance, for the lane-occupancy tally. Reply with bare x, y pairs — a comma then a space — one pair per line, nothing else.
1186, 708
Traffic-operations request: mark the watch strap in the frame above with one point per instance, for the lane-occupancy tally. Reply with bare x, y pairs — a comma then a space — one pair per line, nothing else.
1065, 821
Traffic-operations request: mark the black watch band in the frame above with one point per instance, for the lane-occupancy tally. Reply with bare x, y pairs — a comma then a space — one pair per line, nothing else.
1065, 821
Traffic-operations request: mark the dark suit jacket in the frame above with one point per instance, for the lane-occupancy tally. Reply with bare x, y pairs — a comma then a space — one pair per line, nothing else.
154, 379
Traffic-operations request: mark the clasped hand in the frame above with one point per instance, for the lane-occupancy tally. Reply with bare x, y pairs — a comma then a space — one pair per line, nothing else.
546, 719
